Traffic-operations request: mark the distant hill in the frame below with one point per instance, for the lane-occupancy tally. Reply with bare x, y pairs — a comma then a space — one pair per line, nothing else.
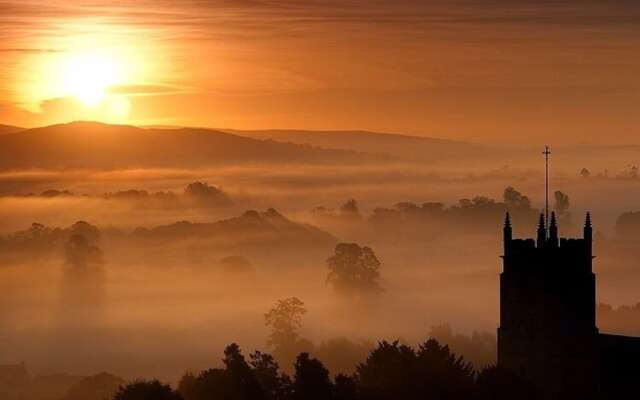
268, 227
265, 235
94, 145
413, 148
567, 157
4, 129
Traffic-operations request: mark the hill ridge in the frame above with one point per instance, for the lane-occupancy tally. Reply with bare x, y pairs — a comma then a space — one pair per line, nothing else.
96, 145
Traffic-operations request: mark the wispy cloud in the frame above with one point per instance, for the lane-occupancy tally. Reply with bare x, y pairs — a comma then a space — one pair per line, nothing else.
355, 53
147, 89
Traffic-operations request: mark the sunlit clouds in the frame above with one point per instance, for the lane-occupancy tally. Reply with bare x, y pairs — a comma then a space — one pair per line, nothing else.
84, 60
479, 71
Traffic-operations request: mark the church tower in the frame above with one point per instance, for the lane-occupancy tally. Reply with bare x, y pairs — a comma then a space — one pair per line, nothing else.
548, 327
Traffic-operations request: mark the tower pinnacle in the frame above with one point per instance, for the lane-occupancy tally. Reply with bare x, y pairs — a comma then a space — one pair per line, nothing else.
553, 231
542, 232
546, 153
507, 232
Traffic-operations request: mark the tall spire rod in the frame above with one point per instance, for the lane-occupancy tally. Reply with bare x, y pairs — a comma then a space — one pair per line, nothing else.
546, 153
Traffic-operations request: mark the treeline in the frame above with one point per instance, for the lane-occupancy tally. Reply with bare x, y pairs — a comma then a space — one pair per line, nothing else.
276, 372
195, 194
268, 228
342, 355
40, 240
478, 213
391, 371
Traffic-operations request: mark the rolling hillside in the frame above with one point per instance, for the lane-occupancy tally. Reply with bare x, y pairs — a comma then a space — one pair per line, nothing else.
100, 146
411, 148
5, 129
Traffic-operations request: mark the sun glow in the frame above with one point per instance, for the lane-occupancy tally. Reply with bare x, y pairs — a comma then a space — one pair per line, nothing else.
89, 71
88, 76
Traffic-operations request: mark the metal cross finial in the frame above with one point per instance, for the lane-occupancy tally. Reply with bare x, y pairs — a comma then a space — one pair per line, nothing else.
546, 153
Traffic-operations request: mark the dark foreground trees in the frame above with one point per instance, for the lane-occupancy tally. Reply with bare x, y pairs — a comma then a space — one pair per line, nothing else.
259, 379
391, 371
146, 390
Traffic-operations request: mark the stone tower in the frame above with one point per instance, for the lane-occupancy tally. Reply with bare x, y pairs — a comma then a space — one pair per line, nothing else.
548, 329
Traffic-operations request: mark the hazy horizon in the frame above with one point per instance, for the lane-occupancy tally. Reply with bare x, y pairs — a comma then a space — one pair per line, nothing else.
273, 133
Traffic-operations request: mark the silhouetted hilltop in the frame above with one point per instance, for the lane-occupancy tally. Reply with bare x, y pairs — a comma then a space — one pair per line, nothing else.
594, 157
412, 148
101, 146
6, 129
92, 145
264, 227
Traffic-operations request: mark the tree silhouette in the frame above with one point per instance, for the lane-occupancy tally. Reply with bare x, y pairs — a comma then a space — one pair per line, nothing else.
80, 254
209, 384
90, 232
244, 383
354, 269
562, 203
395, 371
205, 194
514, 200
285, 320
275, 386
312, 380
446, 375
345, 388
388, 373
83, 286
350, 210
146, 390
585, 173
391, 371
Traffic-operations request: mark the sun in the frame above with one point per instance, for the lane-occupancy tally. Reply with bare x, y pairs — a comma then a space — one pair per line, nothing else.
88, 76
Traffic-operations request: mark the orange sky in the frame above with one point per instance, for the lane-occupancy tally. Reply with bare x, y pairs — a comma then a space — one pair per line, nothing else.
483, 71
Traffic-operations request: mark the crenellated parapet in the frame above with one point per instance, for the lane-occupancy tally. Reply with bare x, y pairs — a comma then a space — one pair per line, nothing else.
548, 249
